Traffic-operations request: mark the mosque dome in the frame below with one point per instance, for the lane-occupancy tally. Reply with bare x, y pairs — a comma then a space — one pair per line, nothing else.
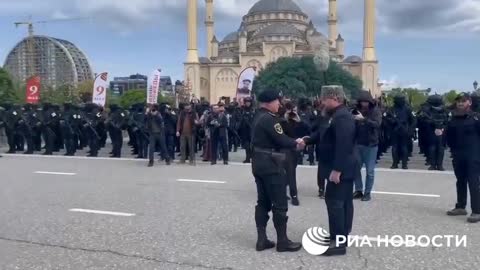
353, 59
267, 6
232, 37
278, 29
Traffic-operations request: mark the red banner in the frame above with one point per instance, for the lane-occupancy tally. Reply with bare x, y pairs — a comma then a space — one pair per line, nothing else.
33, 90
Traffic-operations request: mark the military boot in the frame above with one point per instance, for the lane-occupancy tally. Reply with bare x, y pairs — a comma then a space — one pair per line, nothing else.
262, 241
283, 243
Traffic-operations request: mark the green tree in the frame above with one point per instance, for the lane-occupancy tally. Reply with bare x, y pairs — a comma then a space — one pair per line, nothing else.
133, 96
60, 95
415, 97
8, 92
85, 90
298, 77
450, 97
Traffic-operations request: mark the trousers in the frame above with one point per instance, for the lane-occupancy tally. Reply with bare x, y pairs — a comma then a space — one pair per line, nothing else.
339, 201
291, 170
223, 143
271, 196
157, 138
467, 175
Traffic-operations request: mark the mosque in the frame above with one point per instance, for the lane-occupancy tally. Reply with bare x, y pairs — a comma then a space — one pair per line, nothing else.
271, 29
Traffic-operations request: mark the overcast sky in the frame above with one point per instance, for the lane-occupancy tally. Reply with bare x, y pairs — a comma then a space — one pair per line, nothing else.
423, 43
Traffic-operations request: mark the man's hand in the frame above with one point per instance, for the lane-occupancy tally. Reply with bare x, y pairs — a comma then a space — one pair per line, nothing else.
335, 177
439, 132
359, 117
300, 144
178, 134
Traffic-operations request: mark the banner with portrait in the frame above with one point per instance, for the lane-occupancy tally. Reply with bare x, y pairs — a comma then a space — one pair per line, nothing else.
100, 86
32, 94
245, 84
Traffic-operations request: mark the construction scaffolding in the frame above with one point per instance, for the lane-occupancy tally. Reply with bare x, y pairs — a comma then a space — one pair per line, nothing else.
58, 62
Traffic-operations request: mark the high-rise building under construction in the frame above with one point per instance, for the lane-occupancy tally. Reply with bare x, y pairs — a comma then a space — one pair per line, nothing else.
58, 62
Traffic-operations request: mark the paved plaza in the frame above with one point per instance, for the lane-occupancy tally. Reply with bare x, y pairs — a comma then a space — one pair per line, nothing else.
185, 217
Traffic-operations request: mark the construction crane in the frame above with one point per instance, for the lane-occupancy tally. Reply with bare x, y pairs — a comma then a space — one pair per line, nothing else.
30, 55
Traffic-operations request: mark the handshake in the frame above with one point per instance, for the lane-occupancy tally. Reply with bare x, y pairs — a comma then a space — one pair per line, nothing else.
301, 143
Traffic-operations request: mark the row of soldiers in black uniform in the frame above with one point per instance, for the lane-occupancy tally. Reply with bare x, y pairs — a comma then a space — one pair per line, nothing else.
72, 128
75, 128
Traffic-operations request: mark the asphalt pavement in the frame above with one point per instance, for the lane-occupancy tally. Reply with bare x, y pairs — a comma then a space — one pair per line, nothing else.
83, 213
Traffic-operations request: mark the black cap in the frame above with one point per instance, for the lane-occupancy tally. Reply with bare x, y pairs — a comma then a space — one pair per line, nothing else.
269, 95
463, 96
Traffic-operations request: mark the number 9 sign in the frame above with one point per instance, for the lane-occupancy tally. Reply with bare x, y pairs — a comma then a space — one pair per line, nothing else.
100, 90
33, 90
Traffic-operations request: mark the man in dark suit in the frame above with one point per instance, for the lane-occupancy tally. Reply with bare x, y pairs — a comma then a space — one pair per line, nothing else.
219, 134
337, 148
156, 129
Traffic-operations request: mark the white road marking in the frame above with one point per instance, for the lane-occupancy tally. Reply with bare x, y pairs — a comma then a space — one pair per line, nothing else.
55, 173
101, 212
407, 194
230, 163
201, 181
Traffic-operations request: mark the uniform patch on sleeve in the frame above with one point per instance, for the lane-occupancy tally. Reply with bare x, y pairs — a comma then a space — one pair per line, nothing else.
278, 128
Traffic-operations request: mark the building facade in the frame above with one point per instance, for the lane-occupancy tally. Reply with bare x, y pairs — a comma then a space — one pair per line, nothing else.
58, 62
270, 30
121, 85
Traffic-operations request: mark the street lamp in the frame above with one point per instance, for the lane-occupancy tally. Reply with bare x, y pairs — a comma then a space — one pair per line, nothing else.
475, 85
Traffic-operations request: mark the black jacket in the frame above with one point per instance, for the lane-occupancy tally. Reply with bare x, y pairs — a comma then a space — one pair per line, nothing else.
463, 137
218, 125
337, 145
368, 129
150, 118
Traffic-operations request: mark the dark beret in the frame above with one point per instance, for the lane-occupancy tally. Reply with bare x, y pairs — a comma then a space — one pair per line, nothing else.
269, 95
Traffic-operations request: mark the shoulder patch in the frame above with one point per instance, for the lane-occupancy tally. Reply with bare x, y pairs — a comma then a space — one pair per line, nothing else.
278, 128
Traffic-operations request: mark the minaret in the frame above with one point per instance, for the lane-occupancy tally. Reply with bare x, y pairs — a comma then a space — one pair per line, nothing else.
332, 22
192, 56
370, 71
340, 48
209, 24
192, 64
214, 47
369, 32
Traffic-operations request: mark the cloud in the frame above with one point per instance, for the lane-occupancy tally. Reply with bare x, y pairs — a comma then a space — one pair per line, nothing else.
412, 16
394, 17
394, 82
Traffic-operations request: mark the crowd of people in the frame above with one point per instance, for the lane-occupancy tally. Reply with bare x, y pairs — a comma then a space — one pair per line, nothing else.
348, 138
213, 131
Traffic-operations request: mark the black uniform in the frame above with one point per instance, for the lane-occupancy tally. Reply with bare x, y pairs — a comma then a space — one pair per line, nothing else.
337, 148
245, 131
434, 117
401, 122
12, 118
463, 137
268, 141
67, 129
115, 124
